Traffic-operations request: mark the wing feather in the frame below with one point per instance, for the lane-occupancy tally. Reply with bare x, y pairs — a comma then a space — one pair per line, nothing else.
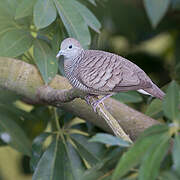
106, 72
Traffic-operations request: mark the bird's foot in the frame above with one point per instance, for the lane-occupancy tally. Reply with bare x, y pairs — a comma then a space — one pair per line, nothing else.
97, 102
87, 99
93, 103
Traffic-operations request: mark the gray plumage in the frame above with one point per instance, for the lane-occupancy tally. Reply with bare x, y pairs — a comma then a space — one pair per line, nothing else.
103, 73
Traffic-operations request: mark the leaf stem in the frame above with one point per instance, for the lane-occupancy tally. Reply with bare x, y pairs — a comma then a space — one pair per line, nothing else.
29, 54
56, 120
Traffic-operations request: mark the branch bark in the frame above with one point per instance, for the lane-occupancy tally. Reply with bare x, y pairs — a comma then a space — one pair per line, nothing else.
25, 80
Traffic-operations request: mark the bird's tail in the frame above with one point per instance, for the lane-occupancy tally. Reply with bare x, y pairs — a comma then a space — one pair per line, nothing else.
155, 91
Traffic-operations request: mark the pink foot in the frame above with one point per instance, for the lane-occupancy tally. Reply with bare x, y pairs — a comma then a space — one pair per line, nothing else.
95, 104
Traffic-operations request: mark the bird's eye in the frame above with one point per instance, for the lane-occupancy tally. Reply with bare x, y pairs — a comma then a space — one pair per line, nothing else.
70, 46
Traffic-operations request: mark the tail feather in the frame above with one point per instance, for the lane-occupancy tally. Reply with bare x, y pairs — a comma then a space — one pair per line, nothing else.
155, 91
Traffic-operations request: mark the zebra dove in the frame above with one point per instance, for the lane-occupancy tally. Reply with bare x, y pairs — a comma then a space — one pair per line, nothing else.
102, 73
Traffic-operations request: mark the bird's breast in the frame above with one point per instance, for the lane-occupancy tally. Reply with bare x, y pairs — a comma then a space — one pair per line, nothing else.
70, 74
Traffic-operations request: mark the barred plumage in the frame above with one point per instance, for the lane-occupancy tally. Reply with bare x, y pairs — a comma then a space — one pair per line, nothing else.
103, 73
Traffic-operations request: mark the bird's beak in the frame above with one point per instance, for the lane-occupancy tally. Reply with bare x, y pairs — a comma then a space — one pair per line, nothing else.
59, 54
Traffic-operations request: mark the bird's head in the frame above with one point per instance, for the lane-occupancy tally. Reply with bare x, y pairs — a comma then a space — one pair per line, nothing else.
70, 48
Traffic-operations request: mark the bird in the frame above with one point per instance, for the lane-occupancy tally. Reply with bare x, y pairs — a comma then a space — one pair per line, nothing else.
101, 73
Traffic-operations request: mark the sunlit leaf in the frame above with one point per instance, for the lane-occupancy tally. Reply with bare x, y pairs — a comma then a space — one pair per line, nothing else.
156, 10
171, 101
88, 16
73, 21
15, 43
109, 139
45, 60
44, 13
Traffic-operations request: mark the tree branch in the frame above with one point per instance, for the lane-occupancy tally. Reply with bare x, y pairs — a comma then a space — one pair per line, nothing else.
48, 95
25, 79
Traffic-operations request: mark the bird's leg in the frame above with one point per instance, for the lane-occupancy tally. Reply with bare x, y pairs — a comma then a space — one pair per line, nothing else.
99, 101
87, 98
95, 104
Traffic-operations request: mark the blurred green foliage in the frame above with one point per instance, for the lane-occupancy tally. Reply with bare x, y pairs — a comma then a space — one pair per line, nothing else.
57, 144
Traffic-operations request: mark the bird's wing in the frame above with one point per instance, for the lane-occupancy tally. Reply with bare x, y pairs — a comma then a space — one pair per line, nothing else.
108, 72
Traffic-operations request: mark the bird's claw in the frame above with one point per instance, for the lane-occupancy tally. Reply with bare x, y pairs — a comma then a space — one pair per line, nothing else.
87, 99
94, 103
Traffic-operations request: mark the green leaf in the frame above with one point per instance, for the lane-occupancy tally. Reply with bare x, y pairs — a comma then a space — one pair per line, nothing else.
88, 16
8, 8
73, 21
155, 108
156, 10
171, 101
15, 43
59, 160
45, 60
11, 132
7, 20
128, 97
88, 151
8, 97
49, 166
152, 159
109, 139
35, 126
56, 41
6, 25
44, 13
155, 129
37, 149
76, 167
132, 157
176, 4
169, 175
175, 154
24, 9
93, 2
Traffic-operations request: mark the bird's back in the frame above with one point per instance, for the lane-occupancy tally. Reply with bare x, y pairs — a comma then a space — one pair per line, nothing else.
106, 72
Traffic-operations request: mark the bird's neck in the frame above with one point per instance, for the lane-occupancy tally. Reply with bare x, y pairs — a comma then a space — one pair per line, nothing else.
71, 63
